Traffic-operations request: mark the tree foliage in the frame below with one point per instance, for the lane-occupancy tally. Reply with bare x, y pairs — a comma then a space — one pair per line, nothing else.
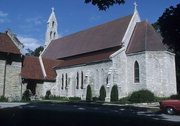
89, 93
142, 96
114, 93
104, 4
168, 25
102, 94
36, 52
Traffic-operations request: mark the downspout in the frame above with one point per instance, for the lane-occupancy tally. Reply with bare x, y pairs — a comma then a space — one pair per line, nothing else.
42, 66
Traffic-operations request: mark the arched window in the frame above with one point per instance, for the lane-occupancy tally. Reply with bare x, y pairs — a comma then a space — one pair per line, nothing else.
107, 79
136, 72
54, 35
62, 81
77, 78
53, 24
51, 35
82, 79
66, 81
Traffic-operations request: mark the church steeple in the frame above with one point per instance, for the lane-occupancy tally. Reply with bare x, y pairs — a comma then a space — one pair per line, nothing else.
51, 32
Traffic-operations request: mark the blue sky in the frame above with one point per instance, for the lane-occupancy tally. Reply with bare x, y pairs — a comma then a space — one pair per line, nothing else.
27, 18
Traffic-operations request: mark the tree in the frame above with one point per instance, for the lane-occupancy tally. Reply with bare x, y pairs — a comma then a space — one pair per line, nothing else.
36, 52
104, 4
168, 26
88, 93
114, 93
102, 95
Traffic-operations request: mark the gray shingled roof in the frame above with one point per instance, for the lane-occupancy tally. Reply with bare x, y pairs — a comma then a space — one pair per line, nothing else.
145, 38
101, 37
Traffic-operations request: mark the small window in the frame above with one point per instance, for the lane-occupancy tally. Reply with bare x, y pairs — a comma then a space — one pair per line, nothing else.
51, 35
77, 78
136, 72
82, 79
54, 35
66, 80
107, 79
53, 24
62, 81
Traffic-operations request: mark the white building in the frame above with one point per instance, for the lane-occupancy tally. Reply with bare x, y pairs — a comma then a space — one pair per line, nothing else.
126, 52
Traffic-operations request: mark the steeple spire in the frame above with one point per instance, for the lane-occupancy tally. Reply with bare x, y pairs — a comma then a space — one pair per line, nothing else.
52, 25
135, 6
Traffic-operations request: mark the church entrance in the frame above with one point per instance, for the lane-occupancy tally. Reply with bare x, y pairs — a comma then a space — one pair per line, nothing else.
32, 86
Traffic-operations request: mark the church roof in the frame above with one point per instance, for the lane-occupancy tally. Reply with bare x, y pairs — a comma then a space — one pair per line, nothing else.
101, 37
49, 65
31, 68
145, 38
7, 45
88, 58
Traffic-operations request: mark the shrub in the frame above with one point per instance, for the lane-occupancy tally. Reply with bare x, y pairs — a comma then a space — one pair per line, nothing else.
114, 93
27, 95
124, 100
102, 94
95, 99
48, 94
3, 99
175, 96
89, 93
74, 99
158, 99
142, 96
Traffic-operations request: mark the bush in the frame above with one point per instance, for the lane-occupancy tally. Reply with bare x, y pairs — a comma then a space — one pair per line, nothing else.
89, 93
175, 96
158, 99
102, 94
27, 95
95, 99
48, 94
74, 99
124, 100
114, 93
3, 99
142, 96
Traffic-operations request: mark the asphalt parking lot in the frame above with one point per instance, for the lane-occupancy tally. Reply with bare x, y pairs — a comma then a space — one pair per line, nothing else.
21, 114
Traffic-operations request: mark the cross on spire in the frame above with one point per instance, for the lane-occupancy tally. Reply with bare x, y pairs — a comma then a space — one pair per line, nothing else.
135, 6
52, 9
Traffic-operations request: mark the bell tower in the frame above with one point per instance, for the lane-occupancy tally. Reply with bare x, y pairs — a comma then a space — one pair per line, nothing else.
51, 32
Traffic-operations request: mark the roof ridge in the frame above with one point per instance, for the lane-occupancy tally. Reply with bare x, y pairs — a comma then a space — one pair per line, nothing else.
95, 26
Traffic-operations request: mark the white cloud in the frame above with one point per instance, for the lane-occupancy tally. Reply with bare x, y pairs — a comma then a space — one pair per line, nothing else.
3, 17
2, 14
35, 20
29, 42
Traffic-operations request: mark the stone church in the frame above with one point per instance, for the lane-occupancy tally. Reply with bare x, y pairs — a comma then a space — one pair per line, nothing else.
126, 52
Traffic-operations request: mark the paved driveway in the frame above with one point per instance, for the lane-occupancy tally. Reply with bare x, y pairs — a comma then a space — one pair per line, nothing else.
81, 114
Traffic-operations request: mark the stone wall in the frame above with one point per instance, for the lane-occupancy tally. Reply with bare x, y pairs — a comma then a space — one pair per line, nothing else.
161, 74
140, 59
52, 86
13, 80
12, 87
93, 74
2, 66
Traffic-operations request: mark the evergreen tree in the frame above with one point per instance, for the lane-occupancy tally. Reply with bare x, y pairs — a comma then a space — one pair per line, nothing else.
89, 93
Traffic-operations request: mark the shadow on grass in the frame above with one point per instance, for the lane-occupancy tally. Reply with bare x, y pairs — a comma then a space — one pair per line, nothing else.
74, 114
